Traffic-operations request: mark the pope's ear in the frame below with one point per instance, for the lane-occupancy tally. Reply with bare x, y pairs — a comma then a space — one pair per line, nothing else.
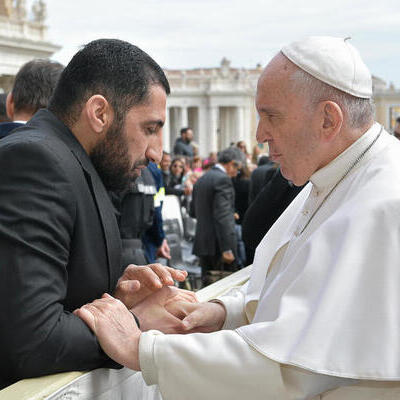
99, 113
331, 119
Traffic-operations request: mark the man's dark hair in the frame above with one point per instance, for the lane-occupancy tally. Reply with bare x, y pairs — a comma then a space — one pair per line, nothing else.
117, 70
398, 120
184, 130
165, 153
34, 85
3, 111
231, 154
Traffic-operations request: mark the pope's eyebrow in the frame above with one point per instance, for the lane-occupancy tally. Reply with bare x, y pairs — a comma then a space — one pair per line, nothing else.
269, 111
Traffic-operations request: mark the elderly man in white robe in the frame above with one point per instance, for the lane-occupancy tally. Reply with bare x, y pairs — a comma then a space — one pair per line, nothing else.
322, 307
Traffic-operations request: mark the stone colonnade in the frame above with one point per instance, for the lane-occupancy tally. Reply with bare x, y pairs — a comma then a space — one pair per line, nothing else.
215, 123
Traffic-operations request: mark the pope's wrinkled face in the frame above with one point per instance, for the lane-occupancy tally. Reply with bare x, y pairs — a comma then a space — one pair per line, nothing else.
286, 122
129, 146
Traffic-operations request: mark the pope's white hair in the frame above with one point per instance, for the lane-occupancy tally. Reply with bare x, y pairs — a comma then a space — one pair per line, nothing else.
358, 112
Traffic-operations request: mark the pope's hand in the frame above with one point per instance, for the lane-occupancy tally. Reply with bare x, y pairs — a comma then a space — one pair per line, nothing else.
153, 313
139, 281
115, 329
198, 317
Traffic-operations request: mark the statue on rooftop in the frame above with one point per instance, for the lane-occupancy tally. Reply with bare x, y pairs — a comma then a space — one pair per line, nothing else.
20, 9
39, 11
6, 8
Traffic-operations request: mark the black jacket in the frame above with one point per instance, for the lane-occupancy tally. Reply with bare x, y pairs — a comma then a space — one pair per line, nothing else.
259, 178
267, 207
173, 184
213, 206
59, 246
7, 127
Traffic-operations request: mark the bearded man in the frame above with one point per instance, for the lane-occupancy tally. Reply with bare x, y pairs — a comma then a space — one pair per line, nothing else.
321, 310
59, 240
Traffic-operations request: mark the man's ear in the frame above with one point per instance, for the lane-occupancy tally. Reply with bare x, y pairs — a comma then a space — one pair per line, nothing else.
99, 113
331, 120
10, 106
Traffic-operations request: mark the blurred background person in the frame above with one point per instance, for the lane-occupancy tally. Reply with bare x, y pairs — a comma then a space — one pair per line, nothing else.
32, 89
396, 131
241, 185
154, 240
241, 145
183, 145
3, 109
273, 198
174, 182
255, 154
197, 164
165, 163
136, 215
213, 206
261, 176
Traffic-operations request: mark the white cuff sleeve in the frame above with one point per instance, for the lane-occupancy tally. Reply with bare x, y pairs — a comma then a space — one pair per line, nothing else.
146, 356
235, 311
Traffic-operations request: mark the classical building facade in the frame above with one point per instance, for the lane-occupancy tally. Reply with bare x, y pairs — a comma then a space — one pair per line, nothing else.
387, 103
218, 103
22, 37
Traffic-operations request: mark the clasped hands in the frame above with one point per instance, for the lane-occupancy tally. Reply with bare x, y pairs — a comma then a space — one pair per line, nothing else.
145, 291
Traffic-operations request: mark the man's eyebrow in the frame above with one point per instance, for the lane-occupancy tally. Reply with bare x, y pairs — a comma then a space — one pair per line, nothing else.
158, 122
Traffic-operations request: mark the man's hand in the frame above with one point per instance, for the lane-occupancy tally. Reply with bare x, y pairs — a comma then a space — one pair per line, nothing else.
228, 257
115, 329
139, 281
163, 251
153, 312
199, 317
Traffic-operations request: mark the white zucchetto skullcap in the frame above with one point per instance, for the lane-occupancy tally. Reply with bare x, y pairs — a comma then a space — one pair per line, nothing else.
333, 61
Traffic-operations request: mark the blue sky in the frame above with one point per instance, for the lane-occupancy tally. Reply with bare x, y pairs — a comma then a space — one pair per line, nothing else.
189, 34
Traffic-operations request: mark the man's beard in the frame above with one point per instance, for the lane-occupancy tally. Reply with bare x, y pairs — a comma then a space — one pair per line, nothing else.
111, 160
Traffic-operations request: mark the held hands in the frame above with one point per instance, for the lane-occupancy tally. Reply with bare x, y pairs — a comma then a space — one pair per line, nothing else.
115, 329
118, 334
139, 281
153, 312
198, 317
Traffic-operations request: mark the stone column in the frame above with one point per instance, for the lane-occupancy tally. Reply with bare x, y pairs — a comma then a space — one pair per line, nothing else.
166, 132
212, 134
240, 132
249, 135
203, 132
184, 118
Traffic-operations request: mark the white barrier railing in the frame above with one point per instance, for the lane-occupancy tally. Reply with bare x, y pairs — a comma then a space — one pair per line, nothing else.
102, 383
106, 384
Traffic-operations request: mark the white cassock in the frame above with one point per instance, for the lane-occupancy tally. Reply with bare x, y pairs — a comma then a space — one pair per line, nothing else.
322, 307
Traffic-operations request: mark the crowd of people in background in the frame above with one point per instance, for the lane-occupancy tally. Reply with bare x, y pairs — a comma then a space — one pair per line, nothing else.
223, 220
